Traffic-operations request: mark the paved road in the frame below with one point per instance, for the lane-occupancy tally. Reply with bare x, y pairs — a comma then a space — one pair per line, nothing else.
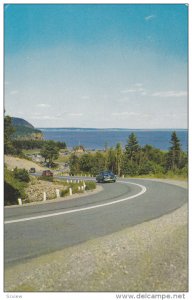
34, 230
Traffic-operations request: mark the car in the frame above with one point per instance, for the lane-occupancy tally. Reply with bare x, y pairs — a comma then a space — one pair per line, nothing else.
47, 173
106, 176
32, 170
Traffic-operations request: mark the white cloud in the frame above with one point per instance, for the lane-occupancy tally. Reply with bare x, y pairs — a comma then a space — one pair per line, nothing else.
125, 113
150, 17
138, 84
75, 114
165, 94
137, 88
123, 100
128, 91
43, 117
85, 98
43, 105
14, 92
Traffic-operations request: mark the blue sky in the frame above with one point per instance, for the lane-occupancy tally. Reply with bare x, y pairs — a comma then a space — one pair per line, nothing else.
99, 65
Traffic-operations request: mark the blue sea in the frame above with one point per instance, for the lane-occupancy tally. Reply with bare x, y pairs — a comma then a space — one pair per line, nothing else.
98, 139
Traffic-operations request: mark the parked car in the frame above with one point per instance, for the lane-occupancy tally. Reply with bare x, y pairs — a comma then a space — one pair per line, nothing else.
106, 176
47, 173
32, 170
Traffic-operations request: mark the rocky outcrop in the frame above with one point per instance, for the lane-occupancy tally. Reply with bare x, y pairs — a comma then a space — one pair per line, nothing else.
36, 189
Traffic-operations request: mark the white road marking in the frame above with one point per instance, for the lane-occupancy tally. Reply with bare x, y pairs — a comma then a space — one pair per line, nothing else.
143, 190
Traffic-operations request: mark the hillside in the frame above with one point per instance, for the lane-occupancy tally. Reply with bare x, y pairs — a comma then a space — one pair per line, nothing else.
21, 163
25, 130
21, 122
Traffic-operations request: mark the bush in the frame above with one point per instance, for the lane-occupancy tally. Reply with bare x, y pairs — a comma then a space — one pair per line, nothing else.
13, 188
21, 174
64, 193
75, 189
11, 194
147, 168
130, 169
90, 185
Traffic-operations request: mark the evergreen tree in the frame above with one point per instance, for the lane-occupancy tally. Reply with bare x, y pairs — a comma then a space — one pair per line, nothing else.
118, 158
174, 154
111, 160
131, 156
132, 148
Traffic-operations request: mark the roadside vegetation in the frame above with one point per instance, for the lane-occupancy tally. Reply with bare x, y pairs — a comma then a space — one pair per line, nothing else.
18, 184
15, 183
134, 160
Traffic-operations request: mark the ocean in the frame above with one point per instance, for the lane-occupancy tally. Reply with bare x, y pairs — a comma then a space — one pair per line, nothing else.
98, 139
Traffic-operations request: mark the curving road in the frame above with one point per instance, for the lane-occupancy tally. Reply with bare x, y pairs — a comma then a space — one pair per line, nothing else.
37, 229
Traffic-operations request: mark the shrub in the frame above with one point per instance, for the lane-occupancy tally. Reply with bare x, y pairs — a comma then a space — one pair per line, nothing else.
13, 188
75, 188
147, 168
90, 185
11, 194
21, 174
64, 193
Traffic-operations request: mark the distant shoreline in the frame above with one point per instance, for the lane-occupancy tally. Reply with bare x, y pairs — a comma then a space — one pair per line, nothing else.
110, 129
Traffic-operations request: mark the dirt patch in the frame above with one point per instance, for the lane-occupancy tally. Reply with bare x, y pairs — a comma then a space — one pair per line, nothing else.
21, 163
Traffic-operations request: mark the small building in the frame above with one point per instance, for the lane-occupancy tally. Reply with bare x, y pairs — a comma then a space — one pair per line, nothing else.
79, 149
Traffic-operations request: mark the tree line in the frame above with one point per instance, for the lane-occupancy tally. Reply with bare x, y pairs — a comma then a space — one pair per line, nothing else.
133, 160
36, 144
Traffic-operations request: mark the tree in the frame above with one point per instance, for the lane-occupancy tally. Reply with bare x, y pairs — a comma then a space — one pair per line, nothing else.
50, 152
118, 158
174, 154
152, 154
86, 162
111, 161
99, 163
132, 148
74, 164
8, 132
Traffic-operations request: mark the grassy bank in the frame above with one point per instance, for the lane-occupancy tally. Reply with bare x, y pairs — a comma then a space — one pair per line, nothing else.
169, 175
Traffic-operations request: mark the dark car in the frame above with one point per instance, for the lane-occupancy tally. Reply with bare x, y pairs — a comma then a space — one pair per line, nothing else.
47, 173
32, 170
106, 176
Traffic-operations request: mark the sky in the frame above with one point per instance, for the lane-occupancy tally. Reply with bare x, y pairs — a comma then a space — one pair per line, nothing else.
97, 65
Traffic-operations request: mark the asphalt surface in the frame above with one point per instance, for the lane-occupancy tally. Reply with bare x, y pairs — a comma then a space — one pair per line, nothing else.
30, 231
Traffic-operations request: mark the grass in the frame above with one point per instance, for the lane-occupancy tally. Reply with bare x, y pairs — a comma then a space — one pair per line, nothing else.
169, 175
31, 151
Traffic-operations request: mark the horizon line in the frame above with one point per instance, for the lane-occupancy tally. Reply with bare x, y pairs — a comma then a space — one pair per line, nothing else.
112, 128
